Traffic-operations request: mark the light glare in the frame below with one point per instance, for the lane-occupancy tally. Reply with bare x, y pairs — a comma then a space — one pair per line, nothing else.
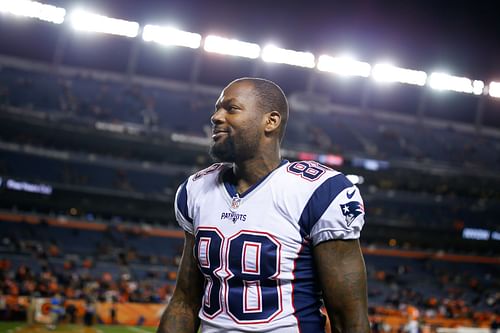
33, 9
232, 47
171, 36
389, 73
494, 89
290, 57
477, 87
86, 21
343, 66
441, 81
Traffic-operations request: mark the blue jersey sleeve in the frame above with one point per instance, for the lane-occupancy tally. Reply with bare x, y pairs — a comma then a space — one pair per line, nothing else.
334, 211
181, 206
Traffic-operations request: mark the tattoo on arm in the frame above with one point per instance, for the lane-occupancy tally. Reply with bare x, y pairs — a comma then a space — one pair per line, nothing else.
342, 275
181, 314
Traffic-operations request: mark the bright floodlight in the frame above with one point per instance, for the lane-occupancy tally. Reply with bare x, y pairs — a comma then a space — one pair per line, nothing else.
289, 57
170, 36
477, 87
231, 47
343, 66
494, 89
441, 81
389, 73
33, 9
86, 21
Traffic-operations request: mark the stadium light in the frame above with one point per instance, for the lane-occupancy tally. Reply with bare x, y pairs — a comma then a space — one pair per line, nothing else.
389, 73
441, 81
33, 9
278, 55
171, 36
343, 66
494, 89
86, 21
232, 47
477, 87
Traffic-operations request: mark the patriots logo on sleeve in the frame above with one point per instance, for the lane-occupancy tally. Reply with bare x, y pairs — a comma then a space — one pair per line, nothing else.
351, 210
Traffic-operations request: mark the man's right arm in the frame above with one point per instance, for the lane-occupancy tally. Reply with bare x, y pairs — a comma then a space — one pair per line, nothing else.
181, 314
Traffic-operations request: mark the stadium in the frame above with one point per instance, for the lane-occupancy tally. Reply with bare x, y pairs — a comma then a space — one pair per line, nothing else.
105, 110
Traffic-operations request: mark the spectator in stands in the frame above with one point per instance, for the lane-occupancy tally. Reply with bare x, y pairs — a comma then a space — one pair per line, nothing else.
376, 326
411, 326
89, 312
3, 306
30, 310
149, 115
67, 101
495, 324
386, 327
113, 313
56, 311
71, 312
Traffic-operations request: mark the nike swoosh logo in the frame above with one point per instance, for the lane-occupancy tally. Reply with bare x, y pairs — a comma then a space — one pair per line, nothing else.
349, 195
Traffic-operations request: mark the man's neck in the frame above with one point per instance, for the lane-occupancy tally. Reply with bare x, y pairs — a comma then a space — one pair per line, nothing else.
249, 172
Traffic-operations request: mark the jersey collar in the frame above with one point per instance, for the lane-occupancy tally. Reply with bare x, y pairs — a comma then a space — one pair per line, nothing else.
231, 189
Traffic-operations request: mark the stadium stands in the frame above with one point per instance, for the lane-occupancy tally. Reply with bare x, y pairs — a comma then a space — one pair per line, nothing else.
188, 113
111, 262
26, 166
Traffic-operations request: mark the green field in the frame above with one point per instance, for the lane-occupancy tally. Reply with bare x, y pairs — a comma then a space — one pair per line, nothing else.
15, 327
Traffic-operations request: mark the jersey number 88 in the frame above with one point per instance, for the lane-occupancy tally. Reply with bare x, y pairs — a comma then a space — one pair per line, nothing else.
240, 274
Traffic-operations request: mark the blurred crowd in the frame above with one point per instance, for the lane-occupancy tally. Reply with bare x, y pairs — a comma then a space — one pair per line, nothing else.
81, 283
441, 292
462, 293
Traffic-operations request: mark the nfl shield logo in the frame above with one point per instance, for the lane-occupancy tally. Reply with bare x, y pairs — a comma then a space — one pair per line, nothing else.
235, 204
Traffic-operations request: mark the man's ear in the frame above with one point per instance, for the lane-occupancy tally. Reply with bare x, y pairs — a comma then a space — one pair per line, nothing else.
273, 121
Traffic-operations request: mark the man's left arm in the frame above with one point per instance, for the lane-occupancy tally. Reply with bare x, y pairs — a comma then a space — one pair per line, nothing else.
342, 274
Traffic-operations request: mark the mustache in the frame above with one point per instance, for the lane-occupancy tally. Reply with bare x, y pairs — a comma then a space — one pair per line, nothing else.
216, 130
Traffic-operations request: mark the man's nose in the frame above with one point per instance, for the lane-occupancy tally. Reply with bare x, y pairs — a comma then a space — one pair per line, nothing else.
217, 117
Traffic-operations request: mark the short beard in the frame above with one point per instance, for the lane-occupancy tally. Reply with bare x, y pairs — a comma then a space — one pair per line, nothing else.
223, 152
234, 150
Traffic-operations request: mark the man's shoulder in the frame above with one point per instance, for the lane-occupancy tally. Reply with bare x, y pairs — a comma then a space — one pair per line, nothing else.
206, 177
308, 174
305, 179
210, 172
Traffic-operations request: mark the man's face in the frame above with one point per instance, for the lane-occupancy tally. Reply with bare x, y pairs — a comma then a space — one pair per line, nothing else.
237, 124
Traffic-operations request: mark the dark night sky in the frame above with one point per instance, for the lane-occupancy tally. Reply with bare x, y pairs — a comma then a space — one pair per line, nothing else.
460, 37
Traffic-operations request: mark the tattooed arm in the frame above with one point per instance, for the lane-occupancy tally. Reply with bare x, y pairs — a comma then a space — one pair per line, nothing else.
181, 314
342, 274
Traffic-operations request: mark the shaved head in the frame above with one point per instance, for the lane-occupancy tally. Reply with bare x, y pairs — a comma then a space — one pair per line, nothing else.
270, 98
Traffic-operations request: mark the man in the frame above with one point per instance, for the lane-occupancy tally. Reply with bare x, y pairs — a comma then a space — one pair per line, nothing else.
89, 312
412, 323
56, 311
265, 239
495, 324
411, 326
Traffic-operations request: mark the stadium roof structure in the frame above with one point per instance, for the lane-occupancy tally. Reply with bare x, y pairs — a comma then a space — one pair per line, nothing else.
440, 46
417, 34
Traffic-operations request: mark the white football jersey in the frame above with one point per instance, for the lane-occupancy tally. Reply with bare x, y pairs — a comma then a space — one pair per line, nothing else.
255, 249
